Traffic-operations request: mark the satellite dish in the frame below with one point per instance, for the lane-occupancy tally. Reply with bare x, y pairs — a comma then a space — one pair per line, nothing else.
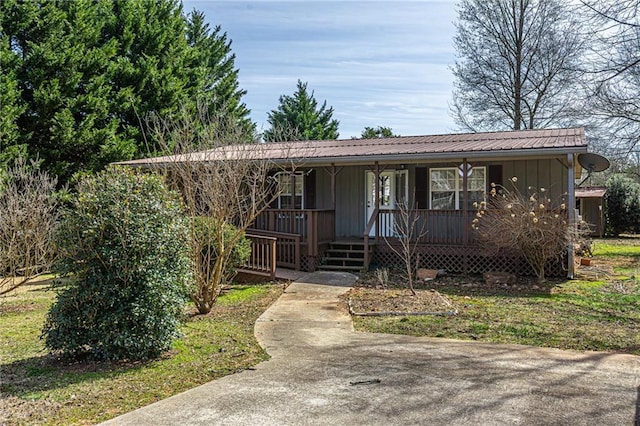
592, 163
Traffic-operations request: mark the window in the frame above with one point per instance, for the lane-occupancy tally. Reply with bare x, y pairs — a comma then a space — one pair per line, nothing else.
291, 190
446, 187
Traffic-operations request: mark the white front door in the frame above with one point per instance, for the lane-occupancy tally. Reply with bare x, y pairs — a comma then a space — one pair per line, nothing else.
387, 200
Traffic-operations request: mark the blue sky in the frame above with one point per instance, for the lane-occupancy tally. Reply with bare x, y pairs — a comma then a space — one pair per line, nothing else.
376, 62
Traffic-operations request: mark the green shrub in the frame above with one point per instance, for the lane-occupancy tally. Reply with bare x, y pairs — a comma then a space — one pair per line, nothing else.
206, 236
124, 246
211, 239
622, 205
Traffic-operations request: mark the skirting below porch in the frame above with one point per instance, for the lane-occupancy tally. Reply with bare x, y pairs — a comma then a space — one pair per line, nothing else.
465, 260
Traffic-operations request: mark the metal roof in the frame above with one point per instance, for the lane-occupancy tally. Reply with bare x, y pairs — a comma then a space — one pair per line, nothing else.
591, 192
523, 143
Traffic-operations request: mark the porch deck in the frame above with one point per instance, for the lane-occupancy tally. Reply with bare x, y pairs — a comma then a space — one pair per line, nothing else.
448, 244
303, 237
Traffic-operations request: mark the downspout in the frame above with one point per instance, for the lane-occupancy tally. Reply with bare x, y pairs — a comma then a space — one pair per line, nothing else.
571, 201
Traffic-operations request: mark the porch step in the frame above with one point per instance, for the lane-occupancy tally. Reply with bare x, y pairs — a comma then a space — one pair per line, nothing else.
344, 256
339, 268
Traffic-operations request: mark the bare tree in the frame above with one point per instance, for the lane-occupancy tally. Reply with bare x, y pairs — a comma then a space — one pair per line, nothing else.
409, 229
518, 64
616, 74
223, 183
28, 219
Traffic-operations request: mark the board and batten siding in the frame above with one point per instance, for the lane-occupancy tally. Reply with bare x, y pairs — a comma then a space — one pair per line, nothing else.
350, 208
350, 192
550, 174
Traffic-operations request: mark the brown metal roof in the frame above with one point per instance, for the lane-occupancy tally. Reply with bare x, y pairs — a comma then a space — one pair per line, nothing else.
405, 148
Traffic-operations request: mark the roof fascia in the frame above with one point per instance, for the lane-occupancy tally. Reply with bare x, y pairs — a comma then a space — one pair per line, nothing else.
522, 154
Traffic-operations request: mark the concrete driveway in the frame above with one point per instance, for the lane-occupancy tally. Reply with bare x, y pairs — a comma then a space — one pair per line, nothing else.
321, 372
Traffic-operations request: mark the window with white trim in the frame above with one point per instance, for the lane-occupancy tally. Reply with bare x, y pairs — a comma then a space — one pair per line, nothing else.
291, 190
445, 189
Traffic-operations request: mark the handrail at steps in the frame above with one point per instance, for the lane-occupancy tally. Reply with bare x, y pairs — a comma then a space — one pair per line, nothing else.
263, 255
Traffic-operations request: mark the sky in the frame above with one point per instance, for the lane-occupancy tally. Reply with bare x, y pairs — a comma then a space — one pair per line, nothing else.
377, 63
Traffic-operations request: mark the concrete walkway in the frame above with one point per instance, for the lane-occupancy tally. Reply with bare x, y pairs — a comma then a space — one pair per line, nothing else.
322, 372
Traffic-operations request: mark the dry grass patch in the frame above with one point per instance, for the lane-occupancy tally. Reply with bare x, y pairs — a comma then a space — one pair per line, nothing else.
598, 311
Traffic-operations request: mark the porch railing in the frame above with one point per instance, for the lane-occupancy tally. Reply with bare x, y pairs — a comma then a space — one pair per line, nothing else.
439, 226
451, 227
263, 256
295, 229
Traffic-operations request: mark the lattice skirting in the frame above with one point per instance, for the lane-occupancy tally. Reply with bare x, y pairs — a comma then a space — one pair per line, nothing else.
466, 260
310, 263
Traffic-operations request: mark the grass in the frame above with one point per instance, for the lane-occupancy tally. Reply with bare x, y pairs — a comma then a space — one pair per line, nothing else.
38, 388
600, 314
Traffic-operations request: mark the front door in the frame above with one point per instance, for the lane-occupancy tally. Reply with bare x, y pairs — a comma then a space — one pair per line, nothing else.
387, 200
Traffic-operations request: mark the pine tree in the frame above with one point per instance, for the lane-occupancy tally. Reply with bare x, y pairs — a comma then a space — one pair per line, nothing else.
299, 118
214, 76
81, 77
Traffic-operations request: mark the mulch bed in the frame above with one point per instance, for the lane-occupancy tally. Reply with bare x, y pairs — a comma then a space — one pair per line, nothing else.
372, 296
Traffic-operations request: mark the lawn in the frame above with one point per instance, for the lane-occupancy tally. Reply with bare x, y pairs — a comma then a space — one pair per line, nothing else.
599, 311
38, 388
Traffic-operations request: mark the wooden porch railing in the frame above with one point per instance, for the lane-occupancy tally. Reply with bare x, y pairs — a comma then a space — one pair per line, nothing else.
263, 256
451, 227
288, 247
295, 229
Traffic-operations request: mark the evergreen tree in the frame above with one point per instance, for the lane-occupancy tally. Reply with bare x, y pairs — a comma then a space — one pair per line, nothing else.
11, 106
213, 72
299, 118
89, 72
378, 132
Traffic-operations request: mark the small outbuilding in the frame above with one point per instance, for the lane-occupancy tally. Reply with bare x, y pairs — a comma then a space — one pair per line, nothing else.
590, 204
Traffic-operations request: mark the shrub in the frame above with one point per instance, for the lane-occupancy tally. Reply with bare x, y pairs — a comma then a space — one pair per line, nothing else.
533, 225
211, 239
622, 205
124, 247
28, 219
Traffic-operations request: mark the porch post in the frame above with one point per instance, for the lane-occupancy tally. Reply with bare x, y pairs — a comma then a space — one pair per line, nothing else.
465, 196
377, 197
571, 201
292, 180
333, 186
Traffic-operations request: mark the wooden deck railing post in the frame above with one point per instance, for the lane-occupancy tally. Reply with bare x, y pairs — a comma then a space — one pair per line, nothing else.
465, 201
366, 251
367, 231
377, 199
312, 233
271, 220
272, 247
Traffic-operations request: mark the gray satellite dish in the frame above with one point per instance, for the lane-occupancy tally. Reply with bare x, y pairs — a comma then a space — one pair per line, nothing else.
592, 163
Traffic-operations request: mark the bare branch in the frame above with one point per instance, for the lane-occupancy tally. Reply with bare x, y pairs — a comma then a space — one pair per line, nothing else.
28, 219
409, 229
221, 180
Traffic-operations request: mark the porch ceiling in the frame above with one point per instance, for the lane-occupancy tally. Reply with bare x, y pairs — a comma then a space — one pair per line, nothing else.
407, 149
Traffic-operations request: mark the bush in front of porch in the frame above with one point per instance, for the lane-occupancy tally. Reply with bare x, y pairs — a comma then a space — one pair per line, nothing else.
534, 225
